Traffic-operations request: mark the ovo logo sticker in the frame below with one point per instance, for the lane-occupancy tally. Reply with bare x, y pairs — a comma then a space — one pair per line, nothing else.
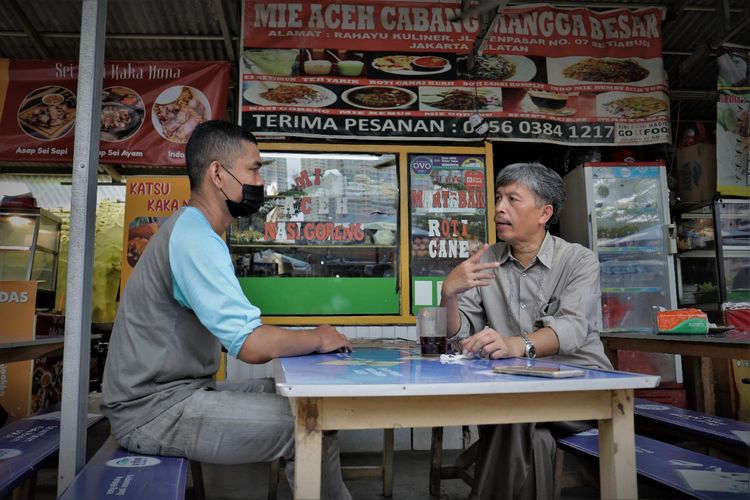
421, 165
133, 462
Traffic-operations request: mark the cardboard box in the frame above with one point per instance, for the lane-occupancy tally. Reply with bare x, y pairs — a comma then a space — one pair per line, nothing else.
17, 308
31, 385
696, 172
681, 321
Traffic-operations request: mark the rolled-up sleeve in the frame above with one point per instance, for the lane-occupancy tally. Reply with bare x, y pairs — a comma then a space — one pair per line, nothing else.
472, 314
204, 281
579, 303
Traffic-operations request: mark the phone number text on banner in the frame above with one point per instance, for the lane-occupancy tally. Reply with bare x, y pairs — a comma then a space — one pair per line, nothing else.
412, 128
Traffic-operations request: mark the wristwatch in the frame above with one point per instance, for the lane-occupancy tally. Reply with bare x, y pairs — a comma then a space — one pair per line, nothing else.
530, 349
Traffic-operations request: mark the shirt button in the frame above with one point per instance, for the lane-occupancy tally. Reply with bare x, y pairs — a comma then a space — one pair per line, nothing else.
523, 306
523, 274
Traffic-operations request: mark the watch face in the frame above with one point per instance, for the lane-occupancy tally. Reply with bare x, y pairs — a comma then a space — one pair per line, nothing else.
530, 350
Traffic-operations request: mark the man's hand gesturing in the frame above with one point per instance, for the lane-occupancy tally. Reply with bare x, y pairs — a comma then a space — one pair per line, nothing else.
469, 274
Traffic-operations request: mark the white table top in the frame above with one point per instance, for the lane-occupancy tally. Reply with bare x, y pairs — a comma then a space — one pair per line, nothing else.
32, 342
376, 371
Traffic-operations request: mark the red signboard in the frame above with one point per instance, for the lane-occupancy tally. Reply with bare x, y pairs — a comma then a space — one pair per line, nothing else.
424, 26
375, 70
148, 111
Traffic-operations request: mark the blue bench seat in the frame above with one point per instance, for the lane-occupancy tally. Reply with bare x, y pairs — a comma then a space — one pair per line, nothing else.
26, 444
114, 472
707, 427
685, 471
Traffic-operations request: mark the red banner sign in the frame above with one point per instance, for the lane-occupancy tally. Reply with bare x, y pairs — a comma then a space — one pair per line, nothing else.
373, 70
148, 111
372, 25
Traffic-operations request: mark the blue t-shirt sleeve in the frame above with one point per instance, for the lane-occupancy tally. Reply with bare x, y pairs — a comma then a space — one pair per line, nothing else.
203, 280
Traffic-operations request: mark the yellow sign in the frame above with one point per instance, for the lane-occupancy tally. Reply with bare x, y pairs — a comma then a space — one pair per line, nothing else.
149, 201
18, 309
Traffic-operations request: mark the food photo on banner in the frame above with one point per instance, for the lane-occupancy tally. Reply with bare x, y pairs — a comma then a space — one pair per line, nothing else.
148, 109
375, 71
733, 123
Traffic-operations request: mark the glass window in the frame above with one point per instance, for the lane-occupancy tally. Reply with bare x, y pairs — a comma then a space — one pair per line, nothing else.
328, 217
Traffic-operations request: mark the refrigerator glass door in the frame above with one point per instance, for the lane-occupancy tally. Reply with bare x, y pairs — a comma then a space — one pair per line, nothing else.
629, 238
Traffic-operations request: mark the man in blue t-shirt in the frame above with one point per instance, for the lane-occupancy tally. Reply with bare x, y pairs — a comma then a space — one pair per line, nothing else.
181, 304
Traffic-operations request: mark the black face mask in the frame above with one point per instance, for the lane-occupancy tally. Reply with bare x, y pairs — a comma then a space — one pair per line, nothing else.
252, 199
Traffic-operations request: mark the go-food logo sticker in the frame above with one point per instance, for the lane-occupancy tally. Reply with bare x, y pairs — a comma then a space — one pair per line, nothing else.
133, 462
421, 165
6, 453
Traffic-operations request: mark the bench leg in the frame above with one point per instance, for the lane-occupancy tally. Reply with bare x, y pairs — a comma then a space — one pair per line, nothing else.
273, 479
26, 490
436, 460
387, 462
197, 472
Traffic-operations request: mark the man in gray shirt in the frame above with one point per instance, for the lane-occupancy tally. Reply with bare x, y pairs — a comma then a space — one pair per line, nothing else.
530, 295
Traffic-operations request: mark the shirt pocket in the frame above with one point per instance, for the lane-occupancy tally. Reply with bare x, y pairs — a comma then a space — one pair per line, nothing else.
550, 308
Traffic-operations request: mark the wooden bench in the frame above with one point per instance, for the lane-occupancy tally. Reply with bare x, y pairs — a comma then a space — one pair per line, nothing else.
25, 446
678, 469
115, 472
730, 436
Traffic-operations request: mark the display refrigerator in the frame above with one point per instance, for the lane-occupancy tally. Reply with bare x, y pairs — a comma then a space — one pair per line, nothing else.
621, 212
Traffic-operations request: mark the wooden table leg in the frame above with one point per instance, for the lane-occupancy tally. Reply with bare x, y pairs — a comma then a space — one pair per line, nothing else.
707, 379
691, 376
387, 462
308, 450
611, 355
436, 460
617, 449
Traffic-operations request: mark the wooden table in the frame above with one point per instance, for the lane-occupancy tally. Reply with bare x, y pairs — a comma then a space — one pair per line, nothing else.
381, 388
698, 350
725, 345
21, 350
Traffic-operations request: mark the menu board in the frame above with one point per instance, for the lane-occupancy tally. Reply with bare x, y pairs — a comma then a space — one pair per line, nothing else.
148, 109
375, 71
448, 218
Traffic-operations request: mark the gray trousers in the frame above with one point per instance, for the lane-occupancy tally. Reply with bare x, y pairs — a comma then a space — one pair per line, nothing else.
516, 461
234, 424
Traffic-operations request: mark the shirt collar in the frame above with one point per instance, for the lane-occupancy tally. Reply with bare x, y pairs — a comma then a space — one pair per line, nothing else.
505, 255
544, 256
546, 251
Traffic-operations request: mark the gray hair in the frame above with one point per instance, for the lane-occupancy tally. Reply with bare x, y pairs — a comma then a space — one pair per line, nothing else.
545, 184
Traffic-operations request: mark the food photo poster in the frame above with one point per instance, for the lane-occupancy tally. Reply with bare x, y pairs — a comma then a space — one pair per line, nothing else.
375, 71
148, 109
